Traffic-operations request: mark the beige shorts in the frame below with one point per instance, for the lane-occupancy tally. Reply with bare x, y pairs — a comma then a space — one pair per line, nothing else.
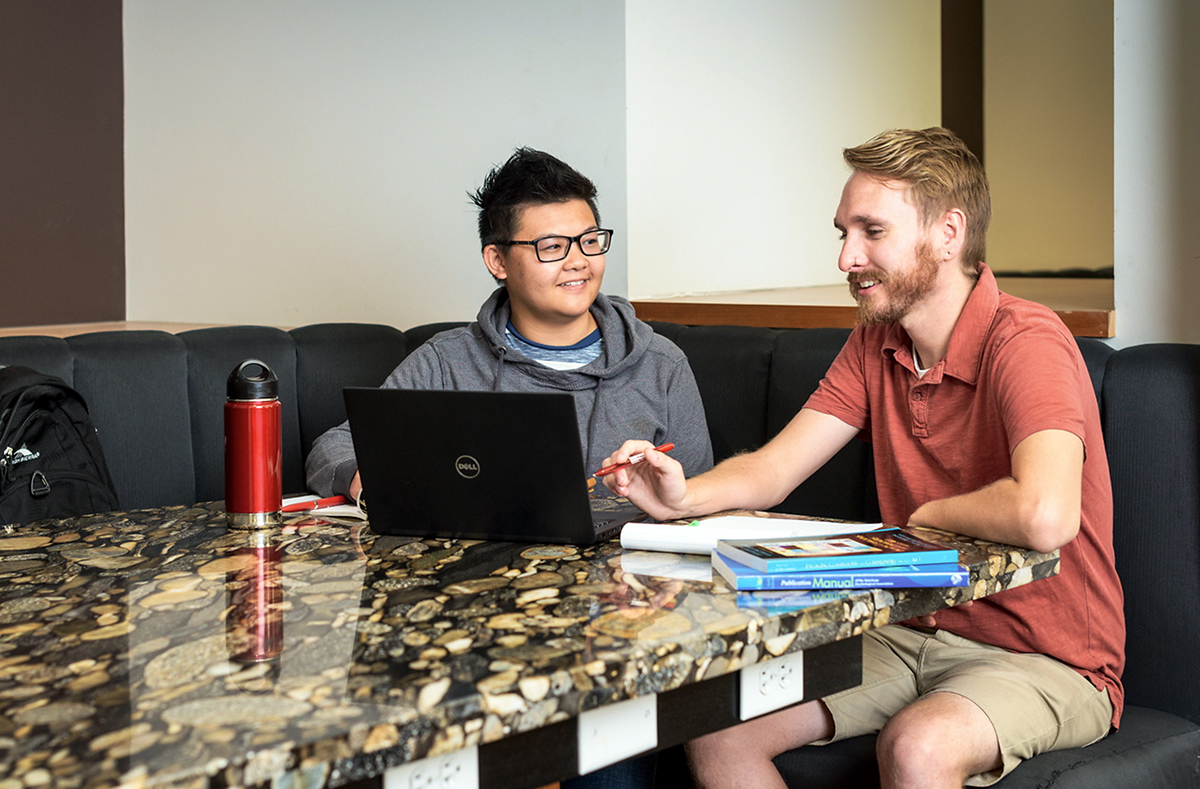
1035, 703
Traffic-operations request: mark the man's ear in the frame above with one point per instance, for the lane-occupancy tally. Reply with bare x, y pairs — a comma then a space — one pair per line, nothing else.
493, 258
952, 234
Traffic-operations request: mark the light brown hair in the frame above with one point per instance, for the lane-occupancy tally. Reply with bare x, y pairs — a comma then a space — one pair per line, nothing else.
942, 173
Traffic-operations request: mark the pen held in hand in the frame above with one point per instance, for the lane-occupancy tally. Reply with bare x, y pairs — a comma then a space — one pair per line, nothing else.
638, 458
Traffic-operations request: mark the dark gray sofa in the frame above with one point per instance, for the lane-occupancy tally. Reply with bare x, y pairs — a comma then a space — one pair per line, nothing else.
157, 398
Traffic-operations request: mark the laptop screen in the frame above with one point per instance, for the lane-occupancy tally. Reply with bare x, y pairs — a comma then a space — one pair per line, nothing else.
481, 465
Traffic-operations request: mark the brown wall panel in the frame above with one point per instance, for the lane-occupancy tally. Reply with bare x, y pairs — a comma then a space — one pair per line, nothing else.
62, 206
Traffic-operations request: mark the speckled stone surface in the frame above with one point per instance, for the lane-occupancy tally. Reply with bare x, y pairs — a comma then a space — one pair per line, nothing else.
159, 648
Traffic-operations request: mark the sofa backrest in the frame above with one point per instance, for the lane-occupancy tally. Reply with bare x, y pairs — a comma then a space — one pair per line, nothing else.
732, 365
331, 356
135, 385
752, 382
136, 388
157, 398
1152, 432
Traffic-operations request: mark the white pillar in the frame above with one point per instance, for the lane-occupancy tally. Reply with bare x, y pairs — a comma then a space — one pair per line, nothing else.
1156, 142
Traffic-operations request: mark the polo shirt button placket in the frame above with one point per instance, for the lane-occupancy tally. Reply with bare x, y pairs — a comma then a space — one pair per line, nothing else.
917, 408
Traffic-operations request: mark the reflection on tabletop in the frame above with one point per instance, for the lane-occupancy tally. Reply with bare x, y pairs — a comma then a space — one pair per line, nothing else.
159, 646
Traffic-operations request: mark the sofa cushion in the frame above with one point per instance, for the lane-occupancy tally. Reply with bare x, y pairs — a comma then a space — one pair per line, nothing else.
48, 355
212, 355
332, 356
849, 764
731, 365
1153, 749
417, 335
845, 486
1095, 355
135, 385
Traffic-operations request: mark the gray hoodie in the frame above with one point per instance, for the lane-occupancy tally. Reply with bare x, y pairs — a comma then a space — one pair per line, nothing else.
640, 387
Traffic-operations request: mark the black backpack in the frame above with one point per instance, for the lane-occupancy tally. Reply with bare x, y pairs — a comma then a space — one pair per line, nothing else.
51, 463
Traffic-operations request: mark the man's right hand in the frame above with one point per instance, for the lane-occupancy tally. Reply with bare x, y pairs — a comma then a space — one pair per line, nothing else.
355, 487
657, 485
754, 481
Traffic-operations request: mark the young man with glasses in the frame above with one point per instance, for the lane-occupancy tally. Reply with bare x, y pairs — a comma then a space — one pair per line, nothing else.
983, 421
548, 328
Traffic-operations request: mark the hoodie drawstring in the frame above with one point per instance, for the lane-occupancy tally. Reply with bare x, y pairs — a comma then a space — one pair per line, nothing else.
501, 353
591, 426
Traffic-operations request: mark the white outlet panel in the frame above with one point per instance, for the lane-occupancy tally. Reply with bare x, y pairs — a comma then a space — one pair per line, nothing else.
456, 770
617, 731
771, 685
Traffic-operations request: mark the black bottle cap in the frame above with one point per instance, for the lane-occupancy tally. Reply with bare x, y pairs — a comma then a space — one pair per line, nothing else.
252, 380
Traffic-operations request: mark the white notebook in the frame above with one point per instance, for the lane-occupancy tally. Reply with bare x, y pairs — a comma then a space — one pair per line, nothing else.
700, 536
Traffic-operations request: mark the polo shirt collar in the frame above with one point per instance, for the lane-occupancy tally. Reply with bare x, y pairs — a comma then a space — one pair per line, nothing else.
965, 355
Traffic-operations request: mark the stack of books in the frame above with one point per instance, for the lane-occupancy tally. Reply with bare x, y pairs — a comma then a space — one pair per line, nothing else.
881, 558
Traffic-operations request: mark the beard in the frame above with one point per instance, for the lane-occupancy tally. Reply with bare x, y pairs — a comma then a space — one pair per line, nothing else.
904, 288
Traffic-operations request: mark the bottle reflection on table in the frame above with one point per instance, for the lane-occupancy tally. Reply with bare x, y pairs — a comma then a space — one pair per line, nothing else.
254, 618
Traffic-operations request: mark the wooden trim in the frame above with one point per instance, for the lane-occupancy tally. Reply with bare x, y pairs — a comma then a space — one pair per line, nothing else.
1084, 305
771, 316
71, 329
1081, 323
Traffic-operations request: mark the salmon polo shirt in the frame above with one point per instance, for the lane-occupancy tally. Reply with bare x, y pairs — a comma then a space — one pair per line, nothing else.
1012, 369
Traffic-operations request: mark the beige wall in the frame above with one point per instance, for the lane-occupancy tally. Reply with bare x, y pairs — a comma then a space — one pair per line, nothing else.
738, 113
312, 165
1048, 133
309, 160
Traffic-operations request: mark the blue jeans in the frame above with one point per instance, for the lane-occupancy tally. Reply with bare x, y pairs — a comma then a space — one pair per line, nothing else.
634, 773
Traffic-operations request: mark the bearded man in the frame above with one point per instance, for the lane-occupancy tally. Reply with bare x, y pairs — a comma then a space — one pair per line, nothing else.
983, 421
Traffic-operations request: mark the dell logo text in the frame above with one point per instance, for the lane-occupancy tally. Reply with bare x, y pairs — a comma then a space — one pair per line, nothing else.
467, 467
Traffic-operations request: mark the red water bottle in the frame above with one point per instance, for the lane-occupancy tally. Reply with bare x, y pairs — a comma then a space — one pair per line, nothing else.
253, 446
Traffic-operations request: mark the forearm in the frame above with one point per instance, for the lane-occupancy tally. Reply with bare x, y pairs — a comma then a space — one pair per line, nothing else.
757, 480
330, 464
990, 513
762, 479
1038, 507
740, 482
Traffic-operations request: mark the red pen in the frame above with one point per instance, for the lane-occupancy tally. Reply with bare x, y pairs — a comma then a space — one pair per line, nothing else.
638, 458
314, 504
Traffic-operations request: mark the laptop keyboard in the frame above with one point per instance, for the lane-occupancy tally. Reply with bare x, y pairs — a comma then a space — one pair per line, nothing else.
610, 513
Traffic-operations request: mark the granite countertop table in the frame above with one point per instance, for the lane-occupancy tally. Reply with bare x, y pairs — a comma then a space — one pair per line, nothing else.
160, 648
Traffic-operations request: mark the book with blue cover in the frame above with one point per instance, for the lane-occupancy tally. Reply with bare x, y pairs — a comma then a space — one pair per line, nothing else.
785, 602
743, 578
887, 547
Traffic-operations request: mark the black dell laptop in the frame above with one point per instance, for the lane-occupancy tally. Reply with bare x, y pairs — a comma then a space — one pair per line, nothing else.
479, 465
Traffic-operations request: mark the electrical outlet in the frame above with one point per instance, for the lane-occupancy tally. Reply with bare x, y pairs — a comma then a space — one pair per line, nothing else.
608, 734
455, 770
771, 685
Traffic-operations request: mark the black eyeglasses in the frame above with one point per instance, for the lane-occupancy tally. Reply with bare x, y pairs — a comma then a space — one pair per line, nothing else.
552, 249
